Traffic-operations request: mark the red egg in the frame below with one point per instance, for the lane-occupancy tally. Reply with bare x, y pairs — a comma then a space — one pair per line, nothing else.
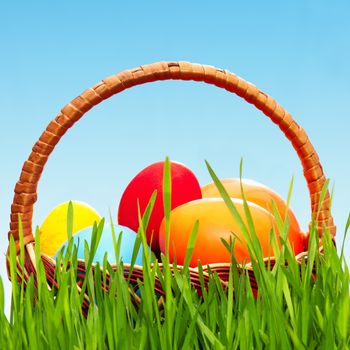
184, 188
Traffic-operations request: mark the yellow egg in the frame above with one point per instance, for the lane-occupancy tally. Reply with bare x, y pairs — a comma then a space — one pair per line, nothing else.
53, 231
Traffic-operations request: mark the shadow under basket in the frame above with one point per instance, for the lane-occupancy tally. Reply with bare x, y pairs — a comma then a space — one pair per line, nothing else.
25, 190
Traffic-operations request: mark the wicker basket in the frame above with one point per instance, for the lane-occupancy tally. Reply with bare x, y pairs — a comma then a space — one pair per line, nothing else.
25, 190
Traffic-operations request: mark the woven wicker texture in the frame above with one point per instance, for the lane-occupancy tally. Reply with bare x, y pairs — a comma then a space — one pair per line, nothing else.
25, 190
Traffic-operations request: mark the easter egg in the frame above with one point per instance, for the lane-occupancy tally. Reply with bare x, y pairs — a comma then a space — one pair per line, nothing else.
106, 245
184, 188
215, 222
263, 196
53, 231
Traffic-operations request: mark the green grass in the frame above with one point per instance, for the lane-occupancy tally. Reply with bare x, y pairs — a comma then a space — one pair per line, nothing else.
293, 309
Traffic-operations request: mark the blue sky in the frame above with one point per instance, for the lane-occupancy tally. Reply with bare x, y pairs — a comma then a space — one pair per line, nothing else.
298, 52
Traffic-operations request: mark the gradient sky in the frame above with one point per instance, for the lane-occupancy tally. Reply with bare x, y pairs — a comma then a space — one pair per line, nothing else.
297, 51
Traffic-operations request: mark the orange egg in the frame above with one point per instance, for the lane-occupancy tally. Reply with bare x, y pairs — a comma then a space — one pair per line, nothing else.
215, 222
263, 196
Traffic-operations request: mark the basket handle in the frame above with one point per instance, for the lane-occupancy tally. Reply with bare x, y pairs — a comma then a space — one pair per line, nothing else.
25, 190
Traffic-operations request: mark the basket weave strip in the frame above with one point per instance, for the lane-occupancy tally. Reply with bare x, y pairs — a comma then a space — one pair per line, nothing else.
25, 190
